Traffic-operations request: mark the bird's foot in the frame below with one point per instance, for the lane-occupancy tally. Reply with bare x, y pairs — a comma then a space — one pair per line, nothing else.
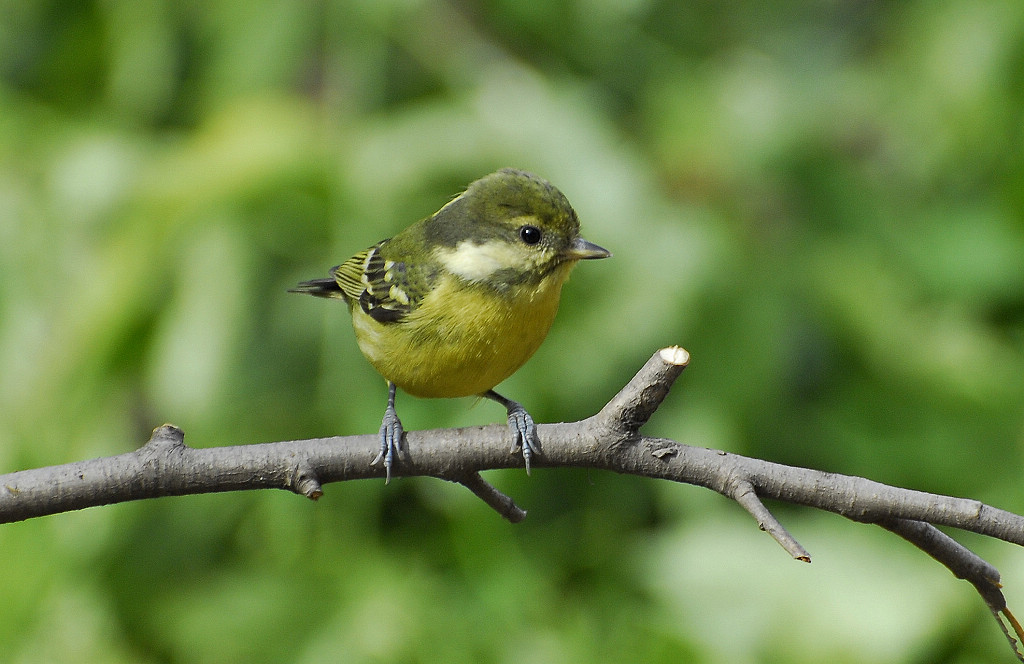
524, 434
524, 431
390, 437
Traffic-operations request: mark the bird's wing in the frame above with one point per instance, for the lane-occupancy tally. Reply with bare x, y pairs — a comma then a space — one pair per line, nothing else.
387, 290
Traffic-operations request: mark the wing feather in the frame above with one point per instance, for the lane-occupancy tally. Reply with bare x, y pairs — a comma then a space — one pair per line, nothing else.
385, 289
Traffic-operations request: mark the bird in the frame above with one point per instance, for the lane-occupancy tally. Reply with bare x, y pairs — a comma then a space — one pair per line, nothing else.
458, 301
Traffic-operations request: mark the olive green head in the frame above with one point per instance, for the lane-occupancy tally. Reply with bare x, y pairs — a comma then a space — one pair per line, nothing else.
508, 227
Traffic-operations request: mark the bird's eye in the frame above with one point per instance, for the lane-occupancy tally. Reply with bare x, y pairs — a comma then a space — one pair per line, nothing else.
529, 234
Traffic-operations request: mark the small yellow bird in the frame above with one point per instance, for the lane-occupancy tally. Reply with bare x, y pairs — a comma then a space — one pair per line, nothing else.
457, 302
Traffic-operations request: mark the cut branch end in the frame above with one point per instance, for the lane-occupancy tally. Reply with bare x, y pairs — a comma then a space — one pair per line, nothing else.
675, 355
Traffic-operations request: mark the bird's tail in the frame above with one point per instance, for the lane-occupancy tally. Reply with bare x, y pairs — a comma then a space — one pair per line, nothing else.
319, 288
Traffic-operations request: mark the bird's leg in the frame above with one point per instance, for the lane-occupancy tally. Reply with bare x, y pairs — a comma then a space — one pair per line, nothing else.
390, 435
524, 431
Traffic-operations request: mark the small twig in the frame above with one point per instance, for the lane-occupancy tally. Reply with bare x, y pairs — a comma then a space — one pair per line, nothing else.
961, 561
745, 495
964, 564
636, 402
501, 503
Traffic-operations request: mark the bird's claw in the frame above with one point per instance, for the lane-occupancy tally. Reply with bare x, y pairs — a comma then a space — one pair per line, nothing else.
390, 441
524, 433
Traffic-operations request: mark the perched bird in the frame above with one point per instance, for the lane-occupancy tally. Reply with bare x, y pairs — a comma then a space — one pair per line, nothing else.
457, 302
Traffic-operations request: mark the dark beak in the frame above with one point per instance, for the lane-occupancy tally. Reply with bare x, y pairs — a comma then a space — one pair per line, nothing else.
582, 250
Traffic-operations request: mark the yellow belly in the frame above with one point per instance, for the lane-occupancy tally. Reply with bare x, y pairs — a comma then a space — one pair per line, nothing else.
460, 342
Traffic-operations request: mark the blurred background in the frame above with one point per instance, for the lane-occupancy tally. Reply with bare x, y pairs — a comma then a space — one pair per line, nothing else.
822, 201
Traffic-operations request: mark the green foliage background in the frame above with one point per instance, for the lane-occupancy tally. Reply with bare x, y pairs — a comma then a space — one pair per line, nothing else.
822, 201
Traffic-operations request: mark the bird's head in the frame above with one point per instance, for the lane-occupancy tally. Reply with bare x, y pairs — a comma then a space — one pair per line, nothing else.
509, 227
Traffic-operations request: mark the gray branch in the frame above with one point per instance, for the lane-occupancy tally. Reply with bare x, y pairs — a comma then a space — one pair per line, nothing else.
609, 440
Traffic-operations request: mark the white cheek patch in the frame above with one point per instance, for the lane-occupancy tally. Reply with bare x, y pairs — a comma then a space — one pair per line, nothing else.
477, 262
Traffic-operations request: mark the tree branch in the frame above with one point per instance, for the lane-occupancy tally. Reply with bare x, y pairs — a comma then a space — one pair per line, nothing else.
609, 440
